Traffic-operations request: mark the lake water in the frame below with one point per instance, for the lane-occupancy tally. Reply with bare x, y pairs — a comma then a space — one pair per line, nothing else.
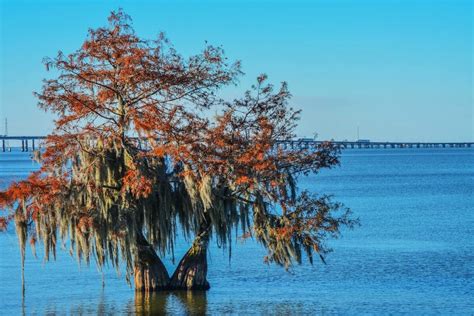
412, 254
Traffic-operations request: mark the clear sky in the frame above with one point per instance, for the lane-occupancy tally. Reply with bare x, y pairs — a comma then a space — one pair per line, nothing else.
401, 70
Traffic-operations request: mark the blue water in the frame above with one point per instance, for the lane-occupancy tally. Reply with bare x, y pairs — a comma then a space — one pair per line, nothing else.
413, 254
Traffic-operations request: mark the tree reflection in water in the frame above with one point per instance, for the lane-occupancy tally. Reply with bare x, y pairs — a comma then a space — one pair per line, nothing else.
160, 303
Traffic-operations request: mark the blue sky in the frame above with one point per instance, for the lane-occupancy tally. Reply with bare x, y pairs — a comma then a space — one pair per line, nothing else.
401, 70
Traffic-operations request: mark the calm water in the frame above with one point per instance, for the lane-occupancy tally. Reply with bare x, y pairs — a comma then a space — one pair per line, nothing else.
413, 254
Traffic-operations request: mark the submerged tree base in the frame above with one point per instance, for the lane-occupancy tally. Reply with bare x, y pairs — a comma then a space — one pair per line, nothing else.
149, 272
150, 278
151, 275
191, 272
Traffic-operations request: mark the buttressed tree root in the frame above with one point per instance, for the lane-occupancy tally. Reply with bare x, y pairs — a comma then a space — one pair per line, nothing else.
150, 274
191, 273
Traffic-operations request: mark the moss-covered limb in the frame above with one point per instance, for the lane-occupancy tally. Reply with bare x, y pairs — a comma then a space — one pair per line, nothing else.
306, 226
150, 273
191, 273
22, 233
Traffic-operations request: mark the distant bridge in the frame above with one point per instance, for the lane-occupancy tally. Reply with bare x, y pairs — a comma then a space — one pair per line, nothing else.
299, 143
24, 141
32, 142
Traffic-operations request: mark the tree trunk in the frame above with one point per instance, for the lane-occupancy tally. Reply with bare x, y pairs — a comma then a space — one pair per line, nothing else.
191, 272
149, 272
